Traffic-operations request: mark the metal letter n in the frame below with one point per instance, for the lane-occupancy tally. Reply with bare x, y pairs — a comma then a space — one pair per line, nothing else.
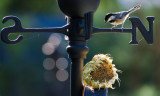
148, 35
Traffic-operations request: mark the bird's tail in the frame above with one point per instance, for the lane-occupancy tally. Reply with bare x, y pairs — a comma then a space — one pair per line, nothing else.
137, 7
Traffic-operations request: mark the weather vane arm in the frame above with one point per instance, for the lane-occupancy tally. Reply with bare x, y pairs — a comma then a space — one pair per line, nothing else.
135, 22
17, 28
109, 30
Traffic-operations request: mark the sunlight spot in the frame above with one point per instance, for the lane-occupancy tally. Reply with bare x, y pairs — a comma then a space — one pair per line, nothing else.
62, 75
62, 63
55, 39
48, 63
48, 48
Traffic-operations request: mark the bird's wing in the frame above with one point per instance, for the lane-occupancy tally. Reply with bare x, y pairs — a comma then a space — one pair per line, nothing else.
122, 14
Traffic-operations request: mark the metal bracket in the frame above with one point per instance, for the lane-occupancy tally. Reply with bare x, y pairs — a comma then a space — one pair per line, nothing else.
136, 23
17, 28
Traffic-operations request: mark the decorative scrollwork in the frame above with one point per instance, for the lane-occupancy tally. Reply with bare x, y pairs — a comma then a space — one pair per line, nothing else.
17, 28
12, 29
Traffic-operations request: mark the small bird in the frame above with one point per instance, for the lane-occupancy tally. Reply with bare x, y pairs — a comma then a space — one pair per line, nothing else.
119, 17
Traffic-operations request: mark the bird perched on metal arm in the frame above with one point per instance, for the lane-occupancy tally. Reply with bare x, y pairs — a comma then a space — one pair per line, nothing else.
119, 17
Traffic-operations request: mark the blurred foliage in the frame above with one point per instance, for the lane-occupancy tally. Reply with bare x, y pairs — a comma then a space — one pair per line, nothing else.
35, 6
21, 69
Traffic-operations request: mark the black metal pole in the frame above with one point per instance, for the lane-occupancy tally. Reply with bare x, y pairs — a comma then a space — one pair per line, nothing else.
77, 51
76, 76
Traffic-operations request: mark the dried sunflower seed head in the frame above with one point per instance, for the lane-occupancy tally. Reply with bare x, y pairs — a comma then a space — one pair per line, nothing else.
100, 72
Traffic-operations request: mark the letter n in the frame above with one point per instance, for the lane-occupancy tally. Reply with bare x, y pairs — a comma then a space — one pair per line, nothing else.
148, 35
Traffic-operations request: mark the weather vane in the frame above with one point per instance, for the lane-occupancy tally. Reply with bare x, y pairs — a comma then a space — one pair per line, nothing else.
79, 29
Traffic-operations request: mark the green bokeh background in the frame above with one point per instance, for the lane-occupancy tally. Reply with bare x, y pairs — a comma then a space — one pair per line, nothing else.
21, 65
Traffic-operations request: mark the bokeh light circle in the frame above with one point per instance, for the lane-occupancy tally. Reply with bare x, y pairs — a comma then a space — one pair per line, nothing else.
62, 63
49, 63
48, 48
62, 75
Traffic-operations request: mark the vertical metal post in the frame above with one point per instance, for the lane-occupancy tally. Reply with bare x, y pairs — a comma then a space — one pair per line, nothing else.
77, 51
76, 76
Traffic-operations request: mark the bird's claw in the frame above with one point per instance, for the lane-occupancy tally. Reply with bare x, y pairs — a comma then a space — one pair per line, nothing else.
122, 29
113, 28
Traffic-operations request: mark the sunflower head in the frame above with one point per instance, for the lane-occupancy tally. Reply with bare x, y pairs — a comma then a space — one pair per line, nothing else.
100, 72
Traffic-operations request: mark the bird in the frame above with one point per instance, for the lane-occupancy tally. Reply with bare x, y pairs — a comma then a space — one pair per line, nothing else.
118, 18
